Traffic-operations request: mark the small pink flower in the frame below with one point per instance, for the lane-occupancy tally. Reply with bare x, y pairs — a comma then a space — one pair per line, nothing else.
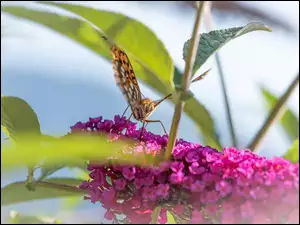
176, 178
197, 217
149, 193
109, 195
162, 218
120, 184
109, 215
197, 186
223, 187
247, 210
162, 190
177, 166
196, 169
128, 173
179, 209
188, 182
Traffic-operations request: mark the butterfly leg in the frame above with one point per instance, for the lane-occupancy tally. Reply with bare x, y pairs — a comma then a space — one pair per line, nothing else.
142, 131
125, 110
128, 120
157, 121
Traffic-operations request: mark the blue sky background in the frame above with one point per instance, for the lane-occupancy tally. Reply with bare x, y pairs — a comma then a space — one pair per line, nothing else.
66, 83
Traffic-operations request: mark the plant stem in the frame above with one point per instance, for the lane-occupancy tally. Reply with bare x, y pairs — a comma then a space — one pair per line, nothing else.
274, 115
209, 25
63, 187
186, 80
226, 100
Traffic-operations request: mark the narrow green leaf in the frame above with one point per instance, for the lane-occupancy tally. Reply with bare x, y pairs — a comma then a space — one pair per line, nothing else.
288, 121
155, 215
293, 153
17, 118
210, 42
17, 193
170, 218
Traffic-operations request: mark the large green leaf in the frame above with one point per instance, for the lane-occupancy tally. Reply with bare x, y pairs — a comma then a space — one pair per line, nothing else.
86, 35
150, 60
17, 193
289, 121
170, 218
293, 153
17, 218
71, 150
210, 42
49, 167
17, 118
134, 37
155, 215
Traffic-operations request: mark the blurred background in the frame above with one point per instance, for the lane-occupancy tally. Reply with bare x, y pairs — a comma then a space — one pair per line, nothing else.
66, 83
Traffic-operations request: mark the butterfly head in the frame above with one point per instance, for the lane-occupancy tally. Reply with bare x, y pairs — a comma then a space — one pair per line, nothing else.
147, 106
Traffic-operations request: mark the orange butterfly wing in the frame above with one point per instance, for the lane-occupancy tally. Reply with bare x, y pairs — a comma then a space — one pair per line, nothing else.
125, 77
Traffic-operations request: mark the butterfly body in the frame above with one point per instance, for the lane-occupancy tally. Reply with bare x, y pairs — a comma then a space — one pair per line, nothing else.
143, 109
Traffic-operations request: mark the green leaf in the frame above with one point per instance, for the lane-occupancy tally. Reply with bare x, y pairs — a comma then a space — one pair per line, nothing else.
17, 218
108, 180
199, 113
17, 118
155, 215
133, 36
17, 193
293, 153
288, 120
49, 168
177, 78
148, 56
71, 202
210, 42
170, 218
132, 41
70, 149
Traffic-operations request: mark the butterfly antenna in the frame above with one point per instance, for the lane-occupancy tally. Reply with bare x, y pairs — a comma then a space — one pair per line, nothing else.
160, 101
201, 76
170, 95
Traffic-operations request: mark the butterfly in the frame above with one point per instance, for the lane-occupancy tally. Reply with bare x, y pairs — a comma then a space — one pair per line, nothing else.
141, 107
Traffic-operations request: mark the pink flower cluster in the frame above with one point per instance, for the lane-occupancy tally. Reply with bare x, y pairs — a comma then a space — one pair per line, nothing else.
199, 185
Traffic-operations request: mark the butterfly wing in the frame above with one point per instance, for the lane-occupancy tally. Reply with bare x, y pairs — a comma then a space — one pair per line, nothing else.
125, 77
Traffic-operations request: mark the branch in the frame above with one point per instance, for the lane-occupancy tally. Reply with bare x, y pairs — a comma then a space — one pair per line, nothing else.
275, 114
186, 80
58, 186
